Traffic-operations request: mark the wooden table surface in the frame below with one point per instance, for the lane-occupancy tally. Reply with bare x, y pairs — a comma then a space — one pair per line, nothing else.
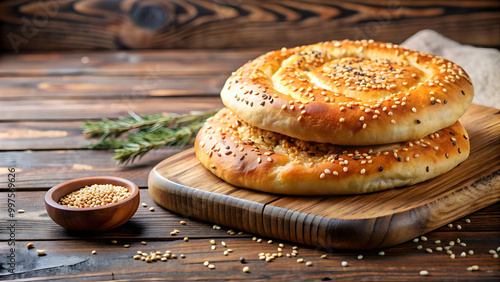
44, 99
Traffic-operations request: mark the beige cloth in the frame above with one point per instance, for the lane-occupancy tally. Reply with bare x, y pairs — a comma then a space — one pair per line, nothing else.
482, 64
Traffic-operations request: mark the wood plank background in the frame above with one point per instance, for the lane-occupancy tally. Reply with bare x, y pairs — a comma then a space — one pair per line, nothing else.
45, 97
69, 259
148, 63
118, 24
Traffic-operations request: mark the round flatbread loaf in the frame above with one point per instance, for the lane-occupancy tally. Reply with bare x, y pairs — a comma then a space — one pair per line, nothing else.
349, 93
247, 156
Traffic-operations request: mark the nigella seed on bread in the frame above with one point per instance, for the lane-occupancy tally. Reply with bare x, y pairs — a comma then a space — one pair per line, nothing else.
336, 118
247, 156
349, 93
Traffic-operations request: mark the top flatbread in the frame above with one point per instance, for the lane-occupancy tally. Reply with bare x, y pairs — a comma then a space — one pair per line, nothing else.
349, 93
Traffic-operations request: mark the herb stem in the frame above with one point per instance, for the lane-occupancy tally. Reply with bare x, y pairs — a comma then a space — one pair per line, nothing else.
144, 133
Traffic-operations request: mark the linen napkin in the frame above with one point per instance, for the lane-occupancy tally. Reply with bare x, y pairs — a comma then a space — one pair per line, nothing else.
482, 64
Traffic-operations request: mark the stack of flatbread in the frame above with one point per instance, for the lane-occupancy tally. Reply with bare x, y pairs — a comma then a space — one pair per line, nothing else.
339, 117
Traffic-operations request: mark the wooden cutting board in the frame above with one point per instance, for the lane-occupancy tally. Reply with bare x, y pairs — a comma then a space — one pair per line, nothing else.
182, 185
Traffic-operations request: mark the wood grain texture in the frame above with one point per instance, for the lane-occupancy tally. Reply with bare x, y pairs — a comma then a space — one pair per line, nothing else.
55, 135
158, 224
43, 157
143, 225
87, 24
108, 87
44, 169
148, 63
71, 260
367, 221
69, 255
85, 109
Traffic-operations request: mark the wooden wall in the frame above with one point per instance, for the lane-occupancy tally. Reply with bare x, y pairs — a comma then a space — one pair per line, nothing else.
136, 24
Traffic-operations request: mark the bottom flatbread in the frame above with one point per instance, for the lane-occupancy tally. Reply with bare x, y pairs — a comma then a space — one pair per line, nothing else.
246, 156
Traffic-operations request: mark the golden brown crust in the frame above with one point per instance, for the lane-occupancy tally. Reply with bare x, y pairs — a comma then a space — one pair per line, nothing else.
349, 93
246, 156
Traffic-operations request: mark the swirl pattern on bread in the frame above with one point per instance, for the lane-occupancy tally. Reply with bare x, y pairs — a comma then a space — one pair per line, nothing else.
349, 93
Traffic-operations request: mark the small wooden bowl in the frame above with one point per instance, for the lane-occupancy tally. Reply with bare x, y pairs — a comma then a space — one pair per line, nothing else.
92, 219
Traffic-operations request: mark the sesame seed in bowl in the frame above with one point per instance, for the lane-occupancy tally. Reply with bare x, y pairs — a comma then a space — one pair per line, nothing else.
93, 203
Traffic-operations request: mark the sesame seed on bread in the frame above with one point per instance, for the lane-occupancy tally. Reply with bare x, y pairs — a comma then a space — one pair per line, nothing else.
247, 156
349, 93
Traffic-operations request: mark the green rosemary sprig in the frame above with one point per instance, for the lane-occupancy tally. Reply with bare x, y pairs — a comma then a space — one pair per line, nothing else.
134, 136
